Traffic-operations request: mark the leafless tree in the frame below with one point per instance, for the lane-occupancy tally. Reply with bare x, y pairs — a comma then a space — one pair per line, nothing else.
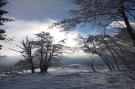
111, 50
46, 49
27, 48
103, 13
90, 47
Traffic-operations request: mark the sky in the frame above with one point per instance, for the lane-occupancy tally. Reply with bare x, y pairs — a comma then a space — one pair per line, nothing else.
39, 10
34, 16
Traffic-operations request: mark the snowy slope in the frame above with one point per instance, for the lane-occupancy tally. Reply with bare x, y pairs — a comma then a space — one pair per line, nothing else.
70, 80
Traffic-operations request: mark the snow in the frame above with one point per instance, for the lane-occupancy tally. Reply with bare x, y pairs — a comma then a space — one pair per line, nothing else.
68, 78
75, 65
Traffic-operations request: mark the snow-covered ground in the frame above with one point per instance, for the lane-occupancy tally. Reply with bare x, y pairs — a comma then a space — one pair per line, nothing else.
70, 78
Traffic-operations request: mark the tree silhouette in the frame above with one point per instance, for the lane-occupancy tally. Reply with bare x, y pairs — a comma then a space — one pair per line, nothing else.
27, 51
110, 49
46, 49
42, 48
27, 46
102, 12
2, 19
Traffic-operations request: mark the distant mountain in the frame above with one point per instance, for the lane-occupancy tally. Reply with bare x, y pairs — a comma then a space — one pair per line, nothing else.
82, 61
10, 60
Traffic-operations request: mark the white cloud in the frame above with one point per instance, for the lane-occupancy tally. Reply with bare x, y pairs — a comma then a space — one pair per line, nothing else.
31, 18
21, 28
76, 54
116, 24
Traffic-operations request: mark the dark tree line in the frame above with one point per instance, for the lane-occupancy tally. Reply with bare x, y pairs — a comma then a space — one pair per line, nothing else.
3, 19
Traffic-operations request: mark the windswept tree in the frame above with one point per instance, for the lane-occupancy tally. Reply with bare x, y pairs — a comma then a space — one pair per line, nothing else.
89, 45
111, 50
102, 12
27, 50
46, 49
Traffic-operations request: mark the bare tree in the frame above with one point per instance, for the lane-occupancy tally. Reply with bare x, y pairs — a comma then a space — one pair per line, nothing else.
113, 52
102, 12
27, 48
46, 49
41, 48
90, 47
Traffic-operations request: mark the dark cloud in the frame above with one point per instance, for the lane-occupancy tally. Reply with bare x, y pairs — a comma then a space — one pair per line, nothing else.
39, 9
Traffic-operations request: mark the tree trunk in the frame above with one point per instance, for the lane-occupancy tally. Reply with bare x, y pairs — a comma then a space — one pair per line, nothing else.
32, 67
124, 61
113, 56
46, 68
93, 69
41, 66
107, 64
127, 23
47, 62
128, 27
31, 63
41, 59
112, 66
100, 55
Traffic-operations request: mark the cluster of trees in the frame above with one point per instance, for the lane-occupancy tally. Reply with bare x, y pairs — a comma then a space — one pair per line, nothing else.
110, 49
113, 50
103, 13
42, 48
